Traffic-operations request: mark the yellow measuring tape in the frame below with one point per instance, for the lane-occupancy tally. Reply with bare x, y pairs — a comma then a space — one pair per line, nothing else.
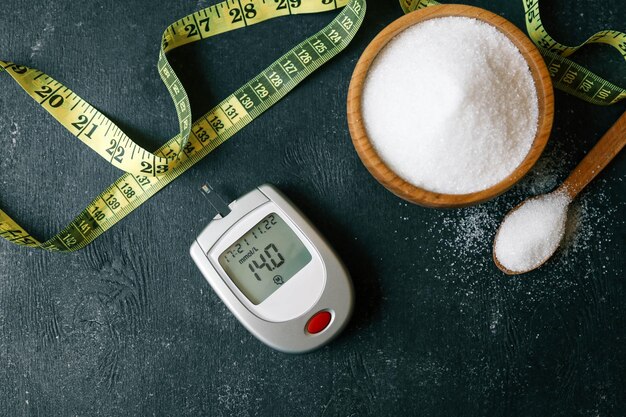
146, 173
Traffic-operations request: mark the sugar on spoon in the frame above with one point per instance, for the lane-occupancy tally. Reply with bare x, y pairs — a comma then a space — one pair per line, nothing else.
531, 232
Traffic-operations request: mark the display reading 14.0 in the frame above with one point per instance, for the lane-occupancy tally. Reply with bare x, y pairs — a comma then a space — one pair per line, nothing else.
264, 258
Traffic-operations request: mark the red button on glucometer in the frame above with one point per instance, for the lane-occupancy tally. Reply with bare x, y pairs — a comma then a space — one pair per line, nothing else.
318, 322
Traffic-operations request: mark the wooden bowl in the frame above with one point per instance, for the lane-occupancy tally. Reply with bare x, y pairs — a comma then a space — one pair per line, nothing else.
397, 185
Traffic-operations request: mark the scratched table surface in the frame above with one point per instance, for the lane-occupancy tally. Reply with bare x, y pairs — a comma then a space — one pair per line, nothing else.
129, 327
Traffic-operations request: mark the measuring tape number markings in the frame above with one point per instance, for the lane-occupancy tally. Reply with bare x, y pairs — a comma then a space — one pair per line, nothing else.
146, 173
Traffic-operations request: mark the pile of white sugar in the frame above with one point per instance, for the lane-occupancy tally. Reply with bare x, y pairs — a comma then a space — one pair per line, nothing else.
530, 234
450, 105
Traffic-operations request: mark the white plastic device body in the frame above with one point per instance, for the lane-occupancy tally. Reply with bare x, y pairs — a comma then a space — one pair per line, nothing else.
320, 290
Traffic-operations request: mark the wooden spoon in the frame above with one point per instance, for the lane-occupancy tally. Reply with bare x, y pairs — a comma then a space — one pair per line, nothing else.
595, 161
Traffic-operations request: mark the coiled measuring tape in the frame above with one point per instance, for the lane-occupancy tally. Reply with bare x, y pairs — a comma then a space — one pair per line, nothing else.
146, 173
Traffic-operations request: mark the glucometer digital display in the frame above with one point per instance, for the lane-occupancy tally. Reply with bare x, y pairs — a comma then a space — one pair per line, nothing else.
264, 258
273, 270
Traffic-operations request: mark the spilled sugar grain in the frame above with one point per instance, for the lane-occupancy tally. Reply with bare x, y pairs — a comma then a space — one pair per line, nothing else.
589, 231
591, 224
589, 228
462, 262
471, 230
474, 227
466, 267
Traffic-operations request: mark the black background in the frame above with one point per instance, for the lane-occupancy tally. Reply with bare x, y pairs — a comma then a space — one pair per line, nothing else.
128, 326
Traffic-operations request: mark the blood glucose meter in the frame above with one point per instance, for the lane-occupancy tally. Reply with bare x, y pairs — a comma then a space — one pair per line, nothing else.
275, 272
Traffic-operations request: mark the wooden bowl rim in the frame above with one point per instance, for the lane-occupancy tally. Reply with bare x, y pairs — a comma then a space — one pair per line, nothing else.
396, 184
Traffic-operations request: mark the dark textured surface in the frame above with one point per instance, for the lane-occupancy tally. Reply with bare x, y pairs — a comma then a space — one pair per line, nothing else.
129, 327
